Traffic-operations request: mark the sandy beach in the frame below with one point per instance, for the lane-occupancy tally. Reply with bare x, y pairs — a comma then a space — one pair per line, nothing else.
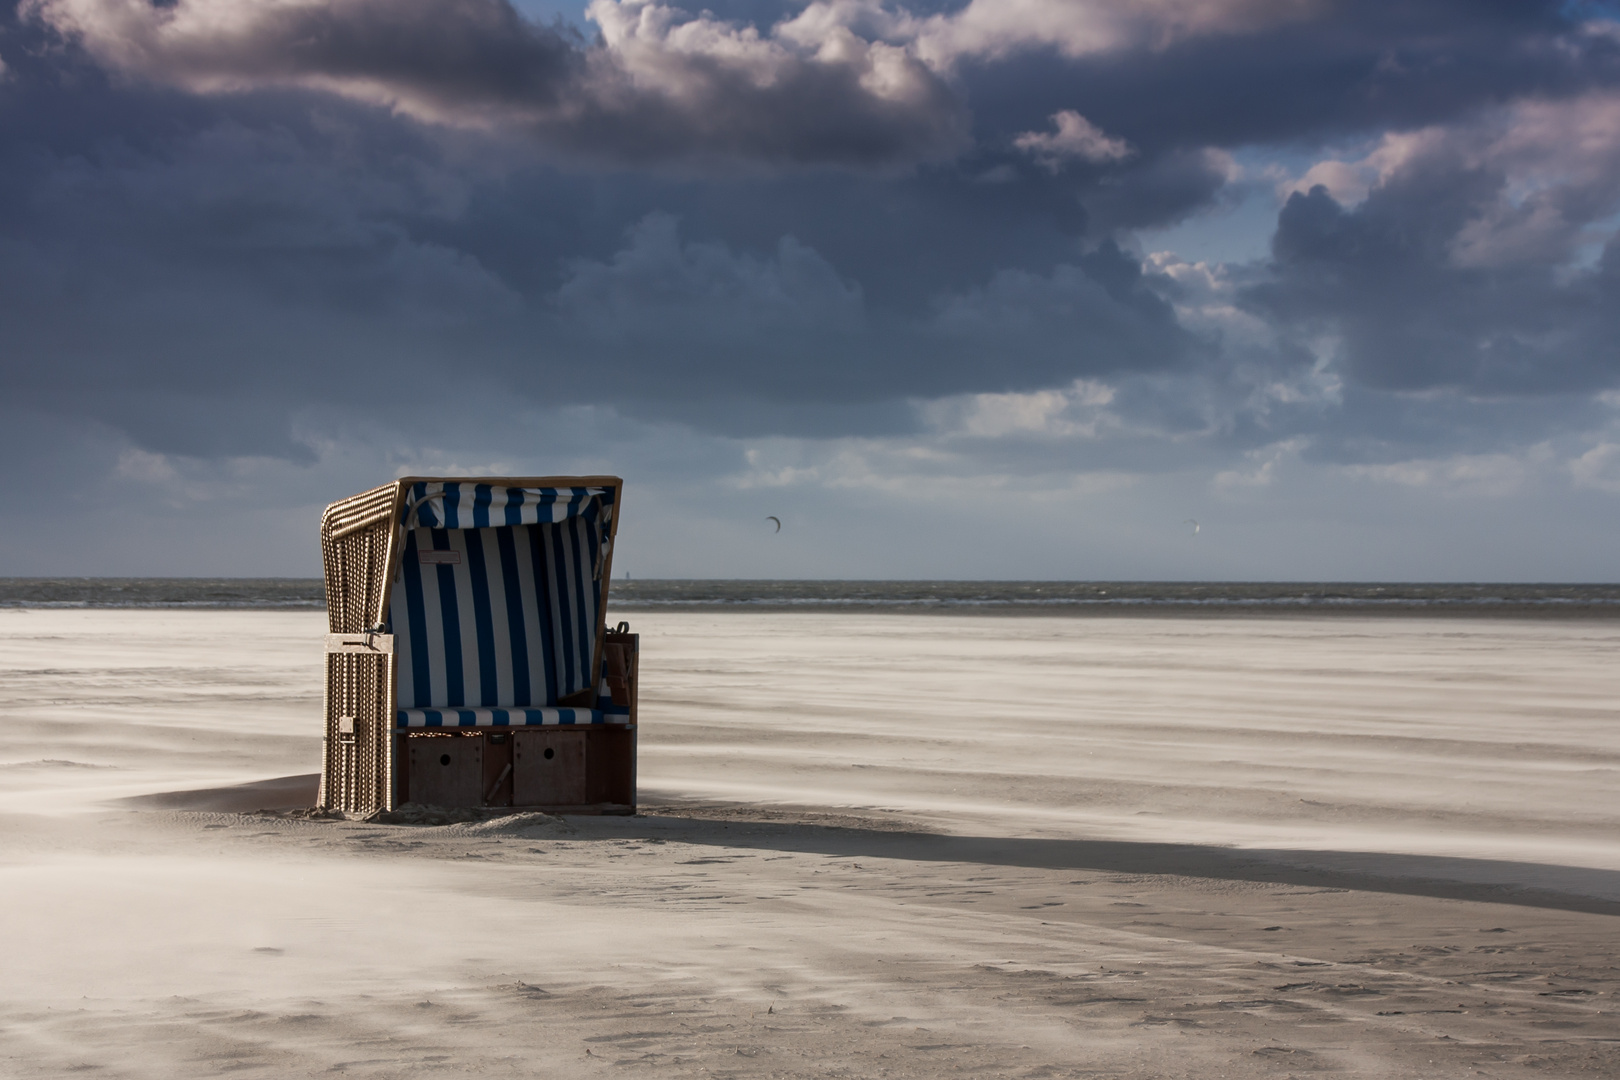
870, 845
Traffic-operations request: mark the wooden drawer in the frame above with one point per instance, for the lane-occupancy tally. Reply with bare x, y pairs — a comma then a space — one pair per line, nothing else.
548, 767
446, 772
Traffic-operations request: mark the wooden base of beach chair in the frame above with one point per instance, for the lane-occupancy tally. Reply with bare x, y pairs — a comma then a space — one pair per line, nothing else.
555, 769
445, 772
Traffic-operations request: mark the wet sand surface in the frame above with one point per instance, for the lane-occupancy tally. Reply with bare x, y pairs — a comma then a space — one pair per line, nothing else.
870, 846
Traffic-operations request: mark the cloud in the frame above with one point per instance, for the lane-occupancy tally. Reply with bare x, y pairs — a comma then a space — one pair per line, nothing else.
854, 83
145, 467
1094, 316
1561, 165
659, 85
1350, 181
1555, 164
740, 342
682, 320
1465, 266
196, 290
1262, 466
668, 287
1079, 410
995, 29
1076, 138
1488, 475
1598, 468
889, 249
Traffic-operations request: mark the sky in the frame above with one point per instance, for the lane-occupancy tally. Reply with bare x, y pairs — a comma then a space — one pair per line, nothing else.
986, 289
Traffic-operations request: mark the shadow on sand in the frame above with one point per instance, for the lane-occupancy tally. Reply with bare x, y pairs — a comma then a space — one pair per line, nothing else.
1495, 881
281, 793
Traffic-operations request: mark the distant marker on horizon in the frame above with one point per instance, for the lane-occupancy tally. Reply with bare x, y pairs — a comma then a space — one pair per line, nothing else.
771, 517
1193, 523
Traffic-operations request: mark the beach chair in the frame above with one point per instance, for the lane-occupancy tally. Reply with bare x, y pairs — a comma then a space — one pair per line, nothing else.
469, 662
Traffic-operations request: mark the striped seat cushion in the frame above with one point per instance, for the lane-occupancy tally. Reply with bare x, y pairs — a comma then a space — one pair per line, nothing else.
501, 617
444, 718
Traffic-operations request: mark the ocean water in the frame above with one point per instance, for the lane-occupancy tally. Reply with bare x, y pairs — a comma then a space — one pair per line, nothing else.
1100, 597
1032, 597
88, 592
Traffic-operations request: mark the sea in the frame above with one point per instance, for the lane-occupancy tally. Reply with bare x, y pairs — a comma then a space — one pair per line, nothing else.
1076, 598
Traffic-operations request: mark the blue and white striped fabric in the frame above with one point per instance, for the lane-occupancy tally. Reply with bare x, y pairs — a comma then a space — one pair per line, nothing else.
498, 617
434, 718
452, 505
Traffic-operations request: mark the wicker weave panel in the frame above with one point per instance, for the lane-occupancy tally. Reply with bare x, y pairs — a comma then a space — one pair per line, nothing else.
361, 511
357, 770
357, 537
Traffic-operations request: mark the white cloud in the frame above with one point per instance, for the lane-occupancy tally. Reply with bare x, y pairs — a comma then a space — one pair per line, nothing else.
1076, 138
1207, 303
1077, 411
1349, 182
1264, 465
1561, 160
179, 480
145, 467
659, 47
991, 29
1558, 162
917, 470
1489, 475
1598, 468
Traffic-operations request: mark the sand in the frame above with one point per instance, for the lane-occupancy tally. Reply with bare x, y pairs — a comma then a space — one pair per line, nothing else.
897, 846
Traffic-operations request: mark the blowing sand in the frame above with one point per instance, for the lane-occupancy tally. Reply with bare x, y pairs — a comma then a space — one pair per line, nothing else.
894, 846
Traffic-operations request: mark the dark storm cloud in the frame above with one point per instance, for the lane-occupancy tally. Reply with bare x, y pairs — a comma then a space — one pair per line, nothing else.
855, 82
799, 333
1356, 68
655, 86
217, 214
196, 297
1462, 269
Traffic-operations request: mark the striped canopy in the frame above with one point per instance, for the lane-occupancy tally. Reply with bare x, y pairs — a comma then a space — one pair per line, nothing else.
453, 505
498, 594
